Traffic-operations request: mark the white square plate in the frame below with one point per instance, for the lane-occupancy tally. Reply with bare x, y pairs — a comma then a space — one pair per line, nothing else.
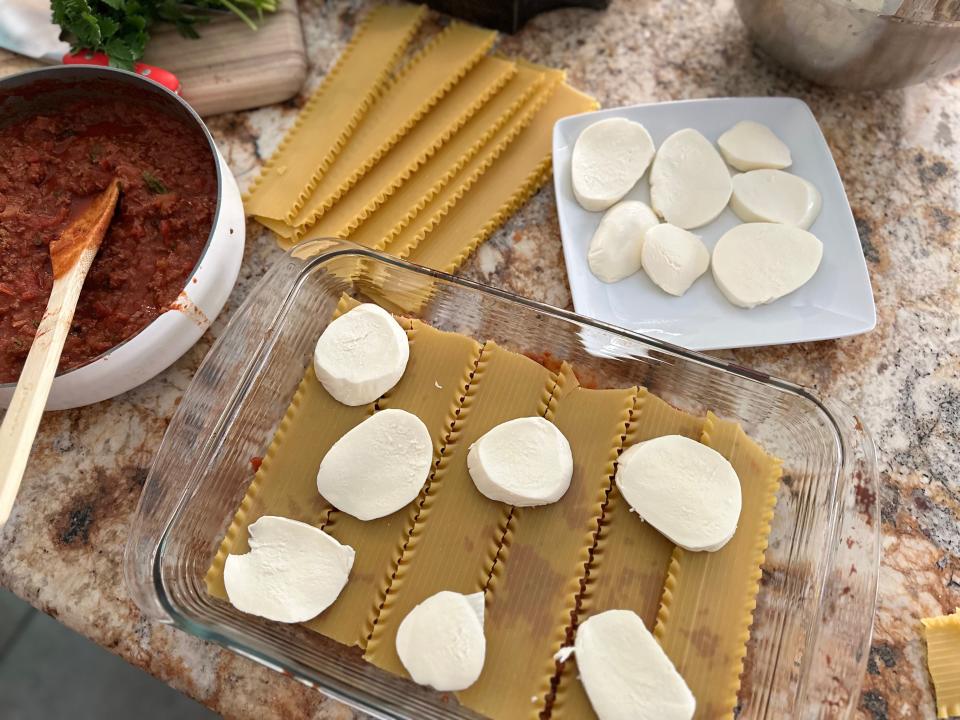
838, 300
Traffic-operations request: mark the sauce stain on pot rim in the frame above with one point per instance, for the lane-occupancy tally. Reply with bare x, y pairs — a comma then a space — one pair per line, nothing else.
188, 307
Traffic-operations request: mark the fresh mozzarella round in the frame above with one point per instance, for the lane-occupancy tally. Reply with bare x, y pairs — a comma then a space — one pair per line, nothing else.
292, 573
522, 462
756, 263
674, 258
441, 642
608, 159
625, 672
775, 196
689, 492
717, 546
689, 182
361, 355
377, 467
615, 249
749, 145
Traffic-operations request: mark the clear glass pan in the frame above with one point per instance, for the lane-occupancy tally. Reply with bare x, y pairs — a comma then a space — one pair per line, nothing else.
811, 632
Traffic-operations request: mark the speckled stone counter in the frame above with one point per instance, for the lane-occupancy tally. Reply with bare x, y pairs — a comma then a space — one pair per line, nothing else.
62, 549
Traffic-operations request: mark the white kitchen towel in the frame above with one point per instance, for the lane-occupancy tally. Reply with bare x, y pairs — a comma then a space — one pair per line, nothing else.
26, 28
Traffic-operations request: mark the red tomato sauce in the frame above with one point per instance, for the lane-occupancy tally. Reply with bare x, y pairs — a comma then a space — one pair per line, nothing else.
51, 163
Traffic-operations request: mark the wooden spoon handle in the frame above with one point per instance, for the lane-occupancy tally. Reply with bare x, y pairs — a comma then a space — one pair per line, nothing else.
26, 407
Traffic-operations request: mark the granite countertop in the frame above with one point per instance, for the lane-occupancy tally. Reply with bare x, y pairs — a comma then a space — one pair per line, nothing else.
62, 549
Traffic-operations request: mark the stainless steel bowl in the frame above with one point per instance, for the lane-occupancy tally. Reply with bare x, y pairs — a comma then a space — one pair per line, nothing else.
858, 44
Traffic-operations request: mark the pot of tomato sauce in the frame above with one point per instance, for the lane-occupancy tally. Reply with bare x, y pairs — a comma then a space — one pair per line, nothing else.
173, 250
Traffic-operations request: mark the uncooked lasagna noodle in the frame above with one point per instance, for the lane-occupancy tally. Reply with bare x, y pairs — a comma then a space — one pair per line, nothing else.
518, 173
456, 538
707, 641
534, 591
332, 112
629, 564
448, 360
386, 157
414, 148
285, 483
291, 474
541, 569
430, 75
404, 203
430, 209
943, 661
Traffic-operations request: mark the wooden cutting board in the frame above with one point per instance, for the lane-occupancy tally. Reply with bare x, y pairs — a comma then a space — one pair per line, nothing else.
230, 68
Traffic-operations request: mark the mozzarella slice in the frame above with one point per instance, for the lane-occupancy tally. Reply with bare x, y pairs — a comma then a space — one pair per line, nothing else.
292, 573
689, 492
377, 467
522, 462
689, 182
775, 196
441, 642
756, 263
608, 159
615, 249
749, 145
673, 258
361, 355
625, 672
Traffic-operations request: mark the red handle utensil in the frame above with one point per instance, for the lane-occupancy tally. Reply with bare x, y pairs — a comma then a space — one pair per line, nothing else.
152, 72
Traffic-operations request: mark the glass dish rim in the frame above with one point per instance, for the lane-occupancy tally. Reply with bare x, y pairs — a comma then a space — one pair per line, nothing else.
312, 253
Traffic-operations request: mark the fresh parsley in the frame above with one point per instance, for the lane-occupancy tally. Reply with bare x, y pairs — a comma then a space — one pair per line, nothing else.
154, 184
121, 28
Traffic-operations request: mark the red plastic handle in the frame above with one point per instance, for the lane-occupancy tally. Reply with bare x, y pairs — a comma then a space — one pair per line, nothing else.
152, 72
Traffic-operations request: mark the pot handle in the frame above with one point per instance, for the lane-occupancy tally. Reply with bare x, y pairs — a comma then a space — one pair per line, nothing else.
152, 72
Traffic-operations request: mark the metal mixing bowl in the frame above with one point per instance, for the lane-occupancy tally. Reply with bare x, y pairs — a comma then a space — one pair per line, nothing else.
858, 44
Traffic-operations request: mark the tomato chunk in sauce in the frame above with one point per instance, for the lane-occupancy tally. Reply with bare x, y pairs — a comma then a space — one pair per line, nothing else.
50, 163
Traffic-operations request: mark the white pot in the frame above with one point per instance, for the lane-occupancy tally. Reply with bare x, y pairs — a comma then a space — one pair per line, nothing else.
170, 335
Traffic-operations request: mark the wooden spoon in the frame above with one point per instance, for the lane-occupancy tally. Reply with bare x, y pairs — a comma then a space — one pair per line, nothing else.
71, 255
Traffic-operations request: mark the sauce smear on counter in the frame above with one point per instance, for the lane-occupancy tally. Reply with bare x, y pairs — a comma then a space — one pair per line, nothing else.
51, 165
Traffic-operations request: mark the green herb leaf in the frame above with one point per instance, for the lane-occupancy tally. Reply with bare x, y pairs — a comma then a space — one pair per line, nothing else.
154, 184
108, 26
120, 52
136, 22
121, 28
88, 27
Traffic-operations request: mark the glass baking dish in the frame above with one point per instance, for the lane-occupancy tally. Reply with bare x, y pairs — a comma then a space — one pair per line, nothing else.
811, 633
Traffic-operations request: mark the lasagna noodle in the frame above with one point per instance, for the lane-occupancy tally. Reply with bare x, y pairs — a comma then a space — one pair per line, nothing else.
533, 593
456, 538
629, 563
396, 167
286, 482
943, 661
441, 365
376, 229
332, 112
284, 231
707, 640
511, 180
430, 75
430, 211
